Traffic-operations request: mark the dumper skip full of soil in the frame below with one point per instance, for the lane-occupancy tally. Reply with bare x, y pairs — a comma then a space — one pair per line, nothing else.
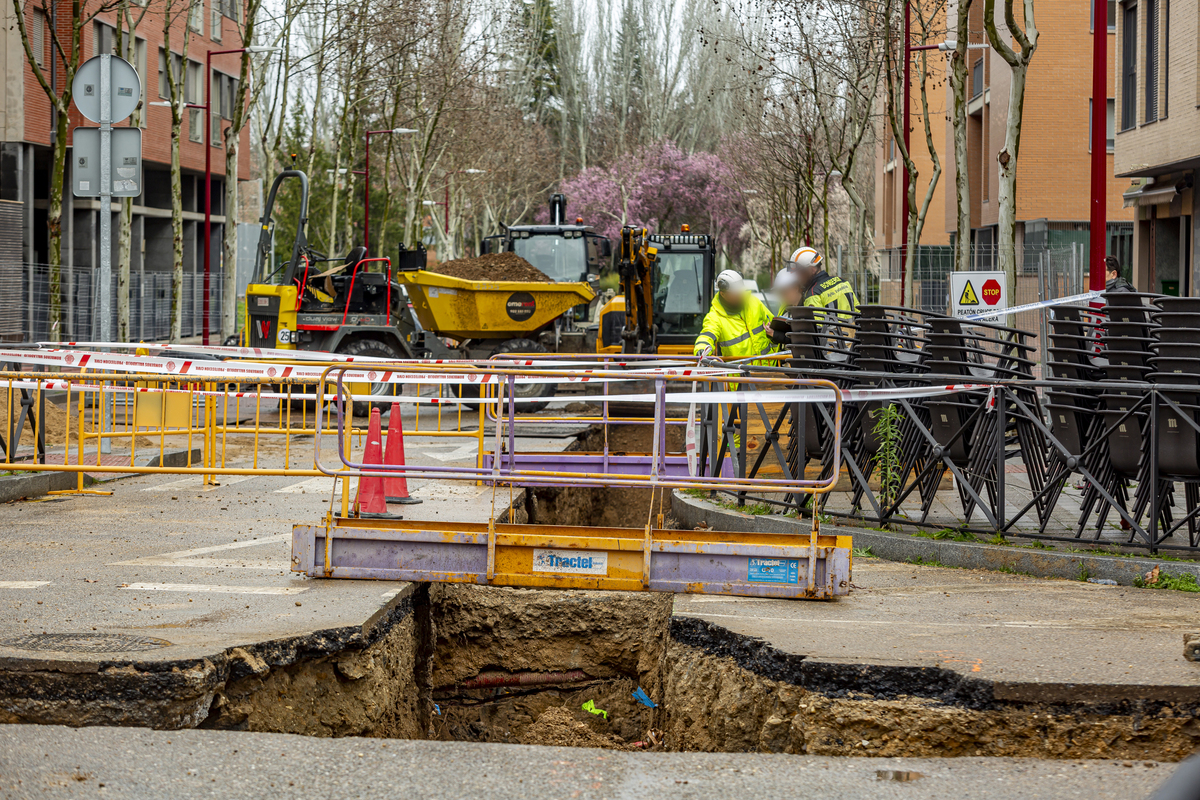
491, 267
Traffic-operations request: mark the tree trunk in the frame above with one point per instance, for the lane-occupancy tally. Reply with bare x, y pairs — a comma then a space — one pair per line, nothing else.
1006, 197
124, 256
54, 213
962, 179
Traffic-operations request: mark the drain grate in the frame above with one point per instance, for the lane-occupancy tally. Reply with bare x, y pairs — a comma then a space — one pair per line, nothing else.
83, 642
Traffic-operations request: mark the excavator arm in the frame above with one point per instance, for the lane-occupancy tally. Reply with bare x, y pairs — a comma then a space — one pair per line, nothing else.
636, 270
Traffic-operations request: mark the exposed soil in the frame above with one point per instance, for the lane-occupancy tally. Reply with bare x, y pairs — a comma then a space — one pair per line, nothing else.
491, 267
559, 726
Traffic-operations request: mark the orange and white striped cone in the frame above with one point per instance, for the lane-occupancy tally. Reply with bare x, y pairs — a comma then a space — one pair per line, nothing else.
370, 500
395, 488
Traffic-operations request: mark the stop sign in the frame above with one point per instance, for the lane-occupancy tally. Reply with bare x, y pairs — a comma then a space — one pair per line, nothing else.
991, 292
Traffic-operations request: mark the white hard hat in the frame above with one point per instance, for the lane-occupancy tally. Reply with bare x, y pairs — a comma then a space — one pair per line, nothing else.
785, 279
730, 281
806, 257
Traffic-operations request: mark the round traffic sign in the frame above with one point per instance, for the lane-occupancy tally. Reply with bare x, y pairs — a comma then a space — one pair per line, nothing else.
124, 87
991, 291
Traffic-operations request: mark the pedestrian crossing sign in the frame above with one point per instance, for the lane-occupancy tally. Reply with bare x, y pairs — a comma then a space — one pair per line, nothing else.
976, 292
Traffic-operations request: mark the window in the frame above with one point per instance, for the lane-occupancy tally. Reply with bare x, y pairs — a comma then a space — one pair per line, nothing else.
1112, 14
193, 92
229, 8
1129, 67
196, 16
37, 38
164, 86
103, 39
977, 78
1151, 90
224, 95
214, 21
1110, 123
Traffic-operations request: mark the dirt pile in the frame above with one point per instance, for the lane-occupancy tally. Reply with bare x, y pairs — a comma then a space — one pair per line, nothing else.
561, 727
491, 267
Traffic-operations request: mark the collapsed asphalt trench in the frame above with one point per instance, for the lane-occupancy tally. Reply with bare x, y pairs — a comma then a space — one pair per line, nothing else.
494, 664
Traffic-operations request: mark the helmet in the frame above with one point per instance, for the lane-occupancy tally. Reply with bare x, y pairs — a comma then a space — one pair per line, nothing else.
730, 281
806, 257
784, 279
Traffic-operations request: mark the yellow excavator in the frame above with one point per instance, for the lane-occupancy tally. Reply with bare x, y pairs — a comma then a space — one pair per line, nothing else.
666, 288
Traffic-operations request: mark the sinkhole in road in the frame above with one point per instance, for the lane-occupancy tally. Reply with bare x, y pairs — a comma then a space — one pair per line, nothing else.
621, 670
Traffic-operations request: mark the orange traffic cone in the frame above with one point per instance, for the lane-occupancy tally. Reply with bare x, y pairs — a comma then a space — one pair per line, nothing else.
370, 500
395, 489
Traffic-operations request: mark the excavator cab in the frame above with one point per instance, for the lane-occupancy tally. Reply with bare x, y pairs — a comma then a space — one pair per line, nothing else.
678, 269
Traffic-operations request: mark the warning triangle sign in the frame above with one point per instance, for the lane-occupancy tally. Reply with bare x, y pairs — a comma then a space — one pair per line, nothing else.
969, 297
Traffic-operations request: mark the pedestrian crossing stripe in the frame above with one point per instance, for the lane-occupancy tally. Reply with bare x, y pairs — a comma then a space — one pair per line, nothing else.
969, 297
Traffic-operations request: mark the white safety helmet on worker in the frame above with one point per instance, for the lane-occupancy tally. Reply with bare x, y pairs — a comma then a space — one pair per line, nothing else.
730, 282
785, 279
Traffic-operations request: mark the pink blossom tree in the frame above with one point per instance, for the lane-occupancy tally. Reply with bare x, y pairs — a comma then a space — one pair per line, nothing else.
660, 187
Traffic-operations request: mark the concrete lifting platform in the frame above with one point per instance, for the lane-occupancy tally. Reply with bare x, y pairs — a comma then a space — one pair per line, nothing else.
562, 557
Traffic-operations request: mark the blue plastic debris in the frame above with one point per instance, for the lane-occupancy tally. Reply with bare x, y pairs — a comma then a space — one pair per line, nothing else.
437, 709
640, 695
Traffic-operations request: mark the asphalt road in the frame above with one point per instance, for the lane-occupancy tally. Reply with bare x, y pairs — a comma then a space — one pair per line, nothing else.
201, 568
135, 763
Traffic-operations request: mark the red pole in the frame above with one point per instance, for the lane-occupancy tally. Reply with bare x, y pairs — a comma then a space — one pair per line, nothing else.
904, 265
207, 186
1099, 146
447, 205
367, 198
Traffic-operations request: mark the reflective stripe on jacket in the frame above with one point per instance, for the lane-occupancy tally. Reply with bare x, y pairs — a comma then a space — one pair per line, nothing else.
827, 291
736, 336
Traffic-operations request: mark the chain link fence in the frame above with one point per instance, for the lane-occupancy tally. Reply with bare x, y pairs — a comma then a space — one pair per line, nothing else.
26, 317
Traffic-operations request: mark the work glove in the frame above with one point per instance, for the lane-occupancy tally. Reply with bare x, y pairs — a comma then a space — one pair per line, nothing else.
705, 351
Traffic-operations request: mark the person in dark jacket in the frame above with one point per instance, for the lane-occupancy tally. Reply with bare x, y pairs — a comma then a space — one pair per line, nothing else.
1113, 282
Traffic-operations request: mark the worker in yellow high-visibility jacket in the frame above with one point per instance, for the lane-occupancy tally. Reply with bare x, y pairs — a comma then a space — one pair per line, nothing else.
736, 325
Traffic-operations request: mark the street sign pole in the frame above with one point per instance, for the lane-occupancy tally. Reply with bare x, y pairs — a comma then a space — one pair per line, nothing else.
105, 199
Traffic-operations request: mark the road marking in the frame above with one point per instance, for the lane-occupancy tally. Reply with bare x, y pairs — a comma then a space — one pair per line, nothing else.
194, 482
311, 486
462, 453
188, 558
390, 593
23, 584
204, 587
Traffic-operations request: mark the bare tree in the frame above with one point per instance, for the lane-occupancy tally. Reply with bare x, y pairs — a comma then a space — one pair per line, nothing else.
958, 121
1018, 62
177, 14
65, 59
126, 47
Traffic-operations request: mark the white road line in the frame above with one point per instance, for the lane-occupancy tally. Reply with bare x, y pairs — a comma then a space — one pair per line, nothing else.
904, 622
390, 593
466, 451
23, 584
195, 482
203, 587
187, 558
319, 485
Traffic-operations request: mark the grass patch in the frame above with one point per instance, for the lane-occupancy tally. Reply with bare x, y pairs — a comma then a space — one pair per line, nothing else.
928, 562
864, 552
998, 539
1165, 580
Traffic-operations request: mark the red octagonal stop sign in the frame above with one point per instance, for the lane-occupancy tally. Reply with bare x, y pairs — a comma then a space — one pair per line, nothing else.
991, 291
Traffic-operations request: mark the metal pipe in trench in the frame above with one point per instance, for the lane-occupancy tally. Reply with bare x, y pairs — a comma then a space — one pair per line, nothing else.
486, 680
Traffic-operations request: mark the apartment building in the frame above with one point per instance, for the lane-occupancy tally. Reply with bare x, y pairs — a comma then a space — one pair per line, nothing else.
27, 122
1053, 173
1158, 139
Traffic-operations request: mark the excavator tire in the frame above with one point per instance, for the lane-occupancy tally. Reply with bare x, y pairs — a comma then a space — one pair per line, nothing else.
375, 349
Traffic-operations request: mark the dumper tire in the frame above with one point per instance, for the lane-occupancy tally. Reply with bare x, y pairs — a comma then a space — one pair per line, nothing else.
526, 391
375, 349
